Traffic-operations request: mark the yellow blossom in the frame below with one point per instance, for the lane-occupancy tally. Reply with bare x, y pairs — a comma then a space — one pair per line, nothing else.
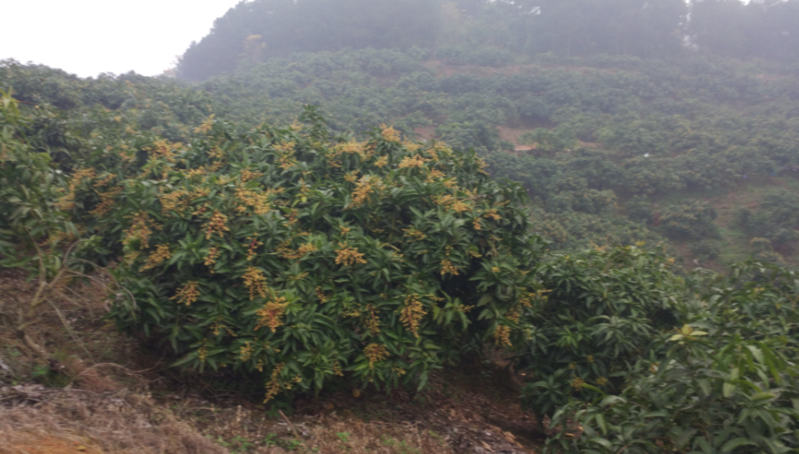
502, 336
205, 126
389, 133
412, 313
213, 254
382, 161
348, 256
187, 294
255, 281
448, 268
372, 321
245, 351
160, 255
270, 315
273, 385
375, 353
411, 162
217, 224
366, 186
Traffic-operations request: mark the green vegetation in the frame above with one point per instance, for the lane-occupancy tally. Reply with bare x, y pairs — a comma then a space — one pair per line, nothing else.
549, 172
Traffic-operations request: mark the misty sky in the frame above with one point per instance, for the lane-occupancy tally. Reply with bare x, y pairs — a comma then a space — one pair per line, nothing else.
89, 37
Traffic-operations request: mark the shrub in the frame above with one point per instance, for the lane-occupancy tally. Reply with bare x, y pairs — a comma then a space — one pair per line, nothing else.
705, 250
604, 309
691, 220
728, 383
285, 255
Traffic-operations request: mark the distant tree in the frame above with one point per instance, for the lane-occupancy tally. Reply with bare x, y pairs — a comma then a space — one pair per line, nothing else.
285, 26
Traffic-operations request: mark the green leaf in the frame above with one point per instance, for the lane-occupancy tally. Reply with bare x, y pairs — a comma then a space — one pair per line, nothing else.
736, 443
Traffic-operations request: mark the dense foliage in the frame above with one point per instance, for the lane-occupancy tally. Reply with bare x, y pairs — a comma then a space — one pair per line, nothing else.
295, 255
727, 380
278, 252
604, 310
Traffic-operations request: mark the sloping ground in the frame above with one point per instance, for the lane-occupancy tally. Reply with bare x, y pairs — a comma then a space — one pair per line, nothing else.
38, 420
100, 392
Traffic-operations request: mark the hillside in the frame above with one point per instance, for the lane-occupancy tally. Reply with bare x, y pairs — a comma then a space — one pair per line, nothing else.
411, 227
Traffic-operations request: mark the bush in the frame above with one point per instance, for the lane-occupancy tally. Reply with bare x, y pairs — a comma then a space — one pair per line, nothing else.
705, 250
604, 309
283, 255
729, 382
691, 220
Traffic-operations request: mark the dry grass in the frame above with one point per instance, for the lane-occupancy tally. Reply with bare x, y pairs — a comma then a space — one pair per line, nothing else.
34, 419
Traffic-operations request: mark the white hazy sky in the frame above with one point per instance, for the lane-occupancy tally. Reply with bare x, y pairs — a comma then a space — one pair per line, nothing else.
89, 37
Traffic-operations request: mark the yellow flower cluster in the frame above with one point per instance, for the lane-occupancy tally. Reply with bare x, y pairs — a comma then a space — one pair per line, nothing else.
435, 175
162, 148
270, 315
245, 352
502, 336
348, 256
158, 257
202, 353
375, 353
257, 200
448, 268
286, 158
253, 245
255, 281
246, 175
381, 162
352, 147
217, 224
454, 203
412, 313
140, 229
273, 385
577, 383
352, 177
205, 126
527, 298
67, 202
389, 133
174, 201
321, 295
411, 146
210, 259
106, 202
416, 235
289, 254
187, 294
372, 321
412, 162
483, 166
492, 214
366, 186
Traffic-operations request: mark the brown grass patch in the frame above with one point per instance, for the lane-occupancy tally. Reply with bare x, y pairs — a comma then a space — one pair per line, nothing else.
35, 417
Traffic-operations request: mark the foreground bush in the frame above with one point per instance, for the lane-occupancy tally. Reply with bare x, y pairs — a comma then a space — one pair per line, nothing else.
280, 254
605, 309
729, 381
